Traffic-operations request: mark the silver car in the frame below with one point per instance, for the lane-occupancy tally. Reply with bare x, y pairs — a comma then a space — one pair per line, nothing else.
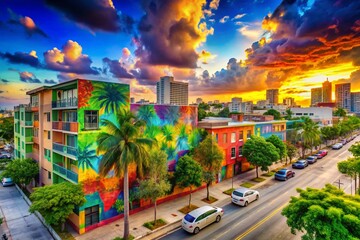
7, 182
199, 218
244, 196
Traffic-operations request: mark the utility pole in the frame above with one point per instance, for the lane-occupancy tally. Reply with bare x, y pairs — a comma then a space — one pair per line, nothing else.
339, 183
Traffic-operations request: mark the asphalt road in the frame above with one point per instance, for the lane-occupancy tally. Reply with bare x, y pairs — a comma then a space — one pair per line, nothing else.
262, 220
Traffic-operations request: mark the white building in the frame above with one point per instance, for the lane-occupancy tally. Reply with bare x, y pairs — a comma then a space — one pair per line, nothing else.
246, 107
322, 115
235, 105
171, 92
262, 103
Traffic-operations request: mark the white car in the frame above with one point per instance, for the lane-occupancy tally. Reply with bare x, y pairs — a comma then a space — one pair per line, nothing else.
244, 196
199, 218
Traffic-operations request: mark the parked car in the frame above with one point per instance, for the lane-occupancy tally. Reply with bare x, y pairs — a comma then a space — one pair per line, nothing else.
244, 196
201, 217
300, 164
323, 153
318, 155
337, 146
284, 174
5, 156
7, 182
343, 142
311, 159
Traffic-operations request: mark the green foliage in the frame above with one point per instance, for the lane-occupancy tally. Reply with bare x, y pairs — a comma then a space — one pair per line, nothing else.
7, 128
279, 144
309, 134
247, 184
86, 156
119, 205
289, 114
154, 225
273, 112
326, 213
22, 171
229, 191
224, 113
260, 153
340, 112
330, 133
355, 149
350, 167
56, 202
110, 96
291, 150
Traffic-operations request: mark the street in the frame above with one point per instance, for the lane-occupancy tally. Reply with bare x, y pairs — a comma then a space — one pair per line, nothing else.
262, 220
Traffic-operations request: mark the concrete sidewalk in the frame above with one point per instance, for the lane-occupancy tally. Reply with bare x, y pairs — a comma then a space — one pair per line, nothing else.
169, 211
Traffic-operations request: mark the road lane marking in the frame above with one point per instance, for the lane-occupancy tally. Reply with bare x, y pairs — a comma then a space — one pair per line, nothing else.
258, 224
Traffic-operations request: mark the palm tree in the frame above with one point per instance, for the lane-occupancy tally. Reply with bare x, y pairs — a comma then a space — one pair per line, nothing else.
182, 139
121, 144
87, 156
110, 96
289, 114
309, 134
146, 113
168, 132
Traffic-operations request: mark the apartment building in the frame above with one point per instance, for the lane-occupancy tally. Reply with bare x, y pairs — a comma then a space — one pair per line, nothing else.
169, 91
316, 96
272, 95
326, 91
343, 96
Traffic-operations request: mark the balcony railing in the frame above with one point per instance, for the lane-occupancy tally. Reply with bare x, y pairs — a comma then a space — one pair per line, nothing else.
69, 150
29, 139
36, 140
88, 125
65, 173
65, 126
29, 123
65, 103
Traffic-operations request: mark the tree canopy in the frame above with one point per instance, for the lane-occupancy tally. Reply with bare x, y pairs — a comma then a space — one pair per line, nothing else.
326, 213
279, 144
291, 150
340, 112
56, 202
22, 171
7, 128
210, 157
273, 112
188, 173
260, 153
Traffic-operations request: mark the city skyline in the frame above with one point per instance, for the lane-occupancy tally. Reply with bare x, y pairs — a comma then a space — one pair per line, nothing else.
223, 49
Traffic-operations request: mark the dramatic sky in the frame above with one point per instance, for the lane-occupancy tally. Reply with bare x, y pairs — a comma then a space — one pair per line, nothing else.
223, 48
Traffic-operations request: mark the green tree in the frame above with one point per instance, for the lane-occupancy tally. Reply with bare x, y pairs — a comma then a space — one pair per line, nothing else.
326, 213
56, 202
288, 114
355, 149
7, 128
350, 167
309, 134
279, 144
327, 133
121, 144
110, 96
210, 157
273, 112
156, 184
22, 171
260, 153
291, 150
201, 114
224, 113
340, 112
188, 173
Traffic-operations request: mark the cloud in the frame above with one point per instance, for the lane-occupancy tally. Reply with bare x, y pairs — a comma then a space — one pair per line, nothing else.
27, 23
117, 68
293, 91
224, 19
205, 56
70, 59
28, 77
49, 81
251, 32
94, 14
22, 58
170, 31
238, 16
214, 4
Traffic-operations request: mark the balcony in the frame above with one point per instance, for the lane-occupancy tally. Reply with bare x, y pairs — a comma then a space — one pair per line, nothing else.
64, 150
29, 139
65, 173
34, 106
65, 103
65, 126
36, 140
28, 123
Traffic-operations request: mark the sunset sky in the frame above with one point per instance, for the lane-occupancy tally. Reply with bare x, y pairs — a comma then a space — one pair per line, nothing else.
223, 48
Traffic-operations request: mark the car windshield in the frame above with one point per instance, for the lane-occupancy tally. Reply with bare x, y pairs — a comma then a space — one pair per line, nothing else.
310, 157
189, 218
239, 194
282, 172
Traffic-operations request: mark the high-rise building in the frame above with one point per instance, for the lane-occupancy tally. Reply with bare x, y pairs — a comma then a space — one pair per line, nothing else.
326, 91
355, 102
235, 105
343, 96
172, 92
262, 103
272, 95
316, 96
289, 101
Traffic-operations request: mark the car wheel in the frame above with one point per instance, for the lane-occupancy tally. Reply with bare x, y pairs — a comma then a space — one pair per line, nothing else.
196, 230
286, 178
293, 175
218, 218
257, 197
246, 203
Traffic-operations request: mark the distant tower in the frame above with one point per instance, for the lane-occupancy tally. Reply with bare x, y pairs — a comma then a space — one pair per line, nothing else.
326, 91
316, 96
343, 96
272, 95
171, 92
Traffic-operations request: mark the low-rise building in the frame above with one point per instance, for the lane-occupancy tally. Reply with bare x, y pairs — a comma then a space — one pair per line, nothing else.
322, 115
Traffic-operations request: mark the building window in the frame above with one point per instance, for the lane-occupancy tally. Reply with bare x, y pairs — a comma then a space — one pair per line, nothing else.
298, 114
36, 116
225, 137
91, 215
311, 114
47, 116
49, 175
91, 120
49, 134
217, 137
233, 152
282, 127
22, 116
248, 134
241, 136
240, 150
233, 137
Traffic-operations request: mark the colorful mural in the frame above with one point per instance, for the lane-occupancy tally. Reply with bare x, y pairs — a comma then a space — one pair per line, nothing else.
173, 128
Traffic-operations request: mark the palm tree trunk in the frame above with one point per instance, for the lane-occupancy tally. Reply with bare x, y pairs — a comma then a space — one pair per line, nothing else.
257, 172
154, 212
126, 203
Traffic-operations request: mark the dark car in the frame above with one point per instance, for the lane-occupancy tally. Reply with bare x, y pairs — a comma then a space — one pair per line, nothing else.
300, 164
284, 174
343, 142
311, 159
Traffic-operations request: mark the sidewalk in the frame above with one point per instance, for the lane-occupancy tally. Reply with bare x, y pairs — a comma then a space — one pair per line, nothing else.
169, 211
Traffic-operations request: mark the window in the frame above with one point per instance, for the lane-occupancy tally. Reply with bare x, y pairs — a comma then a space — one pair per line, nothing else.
240, 150
36, 116
22, 131
22, 145
91, 215
49, 175
91, 120
305, 114
49, 134
217, 137
311, 114
233, 152
298, 114
241, 136
233, 137
22, 116
225, 137
248, 134
47, 116
47, 154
